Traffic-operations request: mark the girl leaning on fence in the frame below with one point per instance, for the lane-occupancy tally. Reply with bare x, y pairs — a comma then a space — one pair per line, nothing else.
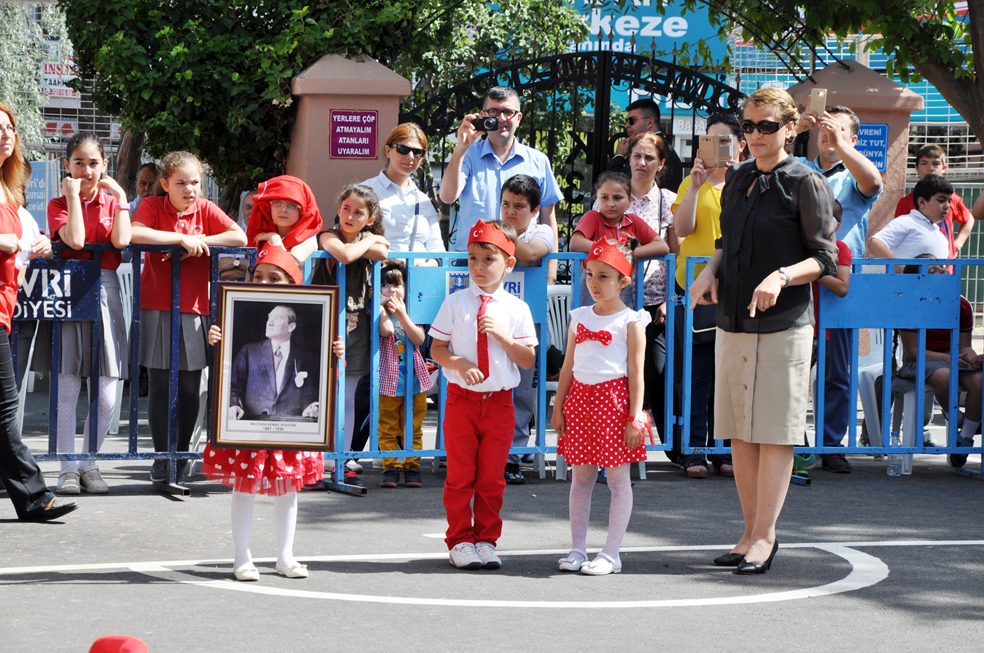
178, 217
92, 209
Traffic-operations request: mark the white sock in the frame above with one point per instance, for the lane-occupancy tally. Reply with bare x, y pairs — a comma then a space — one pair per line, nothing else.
107, 404
242, 520
620, 485
69, 386
583, 478
285, 516
969, 428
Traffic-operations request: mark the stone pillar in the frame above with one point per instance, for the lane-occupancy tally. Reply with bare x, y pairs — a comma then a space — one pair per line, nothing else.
335, 83
876, 100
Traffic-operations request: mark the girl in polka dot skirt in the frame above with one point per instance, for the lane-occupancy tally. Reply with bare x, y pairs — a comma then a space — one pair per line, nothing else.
601, 390
280, 474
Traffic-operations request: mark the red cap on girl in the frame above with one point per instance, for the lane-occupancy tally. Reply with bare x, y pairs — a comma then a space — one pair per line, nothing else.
290, 189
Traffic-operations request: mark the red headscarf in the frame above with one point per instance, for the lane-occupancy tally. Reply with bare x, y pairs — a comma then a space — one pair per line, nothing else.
290, 189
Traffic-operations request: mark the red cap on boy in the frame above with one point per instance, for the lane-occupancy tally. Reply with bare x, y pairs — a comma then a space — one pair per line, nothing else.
280, 257
606, 251
290, 189
484, 232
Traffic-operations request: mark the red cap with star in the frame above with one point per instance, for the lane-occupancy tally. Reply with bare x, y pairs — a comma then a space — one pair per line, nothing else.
606, 251
485, 232
280, 257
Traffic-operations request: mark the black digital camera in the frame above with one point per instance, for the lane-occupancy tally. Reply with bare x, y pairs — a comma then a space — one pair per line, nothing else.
486, 124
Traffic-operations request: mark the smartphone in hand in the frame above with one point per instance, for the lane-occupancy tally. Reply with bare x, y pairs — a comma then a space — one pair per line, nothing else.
818, 101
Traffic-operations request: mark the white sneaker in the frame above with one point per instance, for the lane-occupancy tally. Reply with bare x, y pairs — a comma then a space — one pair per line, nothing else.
354, 466
486, 551
464, 556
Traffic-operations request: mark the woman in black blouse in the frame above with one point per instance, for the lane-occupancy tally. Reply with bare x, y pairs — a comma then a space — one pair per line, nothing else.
777, 235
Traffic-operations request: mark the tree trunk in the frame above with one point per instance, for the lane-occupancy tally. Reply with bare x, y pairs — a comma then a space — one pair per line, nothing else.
128, 162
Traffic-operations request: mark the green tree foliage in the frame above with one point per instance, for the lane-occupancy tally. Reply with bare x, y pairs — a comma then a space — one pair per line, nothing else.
213, 76
23, 42
932, 39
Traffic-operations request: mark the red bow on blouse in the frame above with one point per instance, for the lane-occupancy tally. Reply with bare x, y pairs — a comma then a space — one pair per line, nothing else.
604, 337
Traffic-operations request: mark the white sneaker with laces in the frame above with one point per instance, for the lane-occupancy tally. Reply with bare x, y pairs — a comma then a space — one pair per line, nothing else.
464, 556
486, 551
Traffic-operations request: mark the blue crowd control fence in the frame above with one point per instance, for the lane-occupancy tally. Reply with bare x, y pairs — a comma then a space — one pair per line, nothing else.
90, 291
885, 301
882, 301
427, 288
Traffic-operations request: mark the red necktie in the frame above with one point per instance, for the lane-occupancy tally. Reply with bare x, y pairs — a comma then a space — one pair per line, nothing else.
483, 338
583, 333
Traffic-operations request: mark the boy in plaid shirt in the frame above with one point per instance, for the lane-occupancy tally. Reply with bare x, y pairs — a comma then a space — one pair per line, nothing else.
392, 377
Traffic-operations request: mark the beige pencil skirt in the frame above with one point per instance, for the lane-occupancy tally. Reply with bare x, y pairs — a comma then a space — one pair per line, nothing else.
762, 385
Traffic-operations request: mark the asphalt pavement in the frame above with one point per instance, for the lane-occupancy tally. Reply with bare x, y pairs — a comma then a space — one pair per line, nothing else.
867, 562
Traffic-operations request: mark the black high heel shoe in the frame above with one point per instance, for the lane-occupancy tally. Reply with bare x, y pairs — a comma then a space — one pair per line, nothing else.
729, 560
746, 568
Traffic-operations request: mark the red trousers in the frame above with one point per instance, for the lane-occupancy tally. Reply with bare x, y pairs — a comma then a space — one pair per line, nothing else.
478, 432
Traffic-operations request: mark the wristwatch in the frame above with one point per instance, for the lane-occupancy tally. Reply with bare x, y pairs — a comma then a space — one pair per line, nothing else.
786, 274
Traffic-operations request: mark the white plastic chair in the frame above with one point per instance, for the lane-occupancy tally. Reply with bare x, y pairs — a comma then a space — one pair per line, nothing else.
125, 273
903, 413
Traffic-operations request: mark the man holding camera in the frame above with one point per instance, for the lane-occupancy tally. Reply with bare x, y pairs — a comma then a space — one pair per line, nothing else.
474, 175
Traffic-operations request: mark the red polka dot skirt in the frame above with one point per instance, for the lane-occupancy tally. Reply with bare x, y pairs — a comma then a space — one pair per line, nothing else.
263, 471
595, 419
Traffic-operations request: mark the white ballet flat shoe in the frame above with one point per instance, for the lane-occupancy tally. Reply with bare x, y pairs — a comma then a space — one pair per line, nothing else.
571, 562
602, 565
247, 573
296, 570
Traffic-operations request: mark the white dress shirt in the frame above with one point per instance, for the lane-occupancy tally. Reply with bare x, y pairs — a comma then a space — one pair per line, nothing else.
910, 235
402, 211
457, 323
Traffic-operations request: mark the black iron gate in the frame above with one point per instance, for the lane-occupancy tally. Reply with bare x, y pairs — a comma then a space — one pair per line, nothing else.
567, 110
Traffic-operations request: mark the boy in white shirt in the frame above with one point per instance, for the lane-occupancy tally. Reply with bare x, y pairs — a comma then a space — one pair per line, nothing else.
909, 236
482, 336
519, 204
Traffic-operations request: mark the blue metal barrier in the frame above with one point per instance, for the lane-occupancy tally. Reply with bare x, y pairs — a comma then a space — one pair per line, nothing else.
883, 301
132, 453
427, 288
880, 301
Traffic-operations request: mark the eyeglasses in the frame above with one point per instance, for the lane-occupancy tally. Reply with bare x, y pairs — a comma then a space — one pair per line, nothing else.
508, 114
634, 119
406, 149
728, 118
280, 205
8, 128
764, 127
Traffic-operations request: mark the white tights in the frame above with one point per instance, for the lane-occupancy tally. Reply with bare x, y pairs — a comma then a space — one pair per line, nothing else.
284, 516
584, 478
69, 387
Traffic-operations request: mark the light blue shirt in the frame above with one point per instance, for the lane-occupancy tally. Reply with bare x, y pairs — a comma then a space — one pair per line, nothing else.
484, 175
854, 206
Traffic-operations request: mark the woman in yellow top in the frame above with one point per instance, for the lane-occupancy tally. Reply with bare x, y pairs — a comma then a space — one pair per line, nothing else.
697, 223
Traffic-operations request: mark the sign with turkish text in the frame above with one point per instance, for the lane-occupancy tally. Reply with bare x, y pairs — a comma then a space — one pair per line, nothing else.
352, 134
873, 143
59, 290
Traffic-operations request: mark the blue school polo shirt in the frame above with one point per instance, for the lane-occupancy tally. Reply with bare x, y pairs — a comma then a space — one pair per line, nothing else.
484, 175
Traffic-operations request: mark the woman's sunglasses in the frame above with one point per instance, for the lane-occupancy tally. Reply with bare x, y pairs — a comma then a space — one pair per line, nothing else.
406, 149
764, 127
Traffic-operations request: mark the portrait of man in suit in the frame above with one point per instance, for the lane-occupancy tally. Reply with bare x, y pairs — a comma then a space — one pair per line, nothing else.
270, 378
